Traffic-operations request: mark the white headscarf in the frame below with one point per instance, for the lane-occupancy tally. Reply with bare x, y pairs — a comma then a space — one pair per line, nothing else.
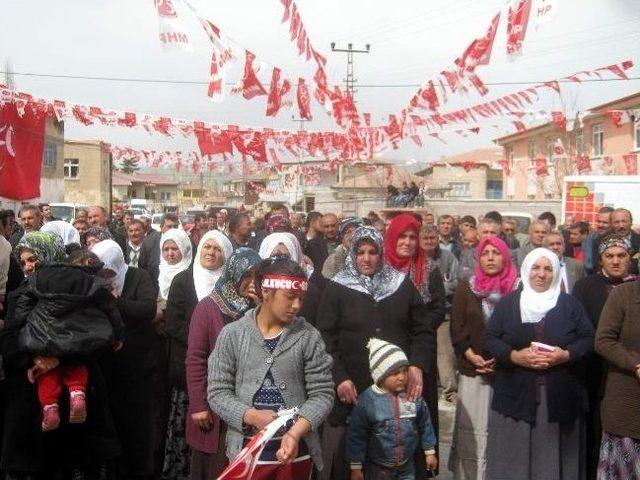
292, 244
64, 230
168, 272
205, 279
535, 305
110, 253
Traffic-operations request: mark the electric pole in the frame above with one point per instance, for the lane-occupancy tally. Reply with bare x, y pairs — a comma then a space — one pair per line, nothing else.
301, 121
350, 81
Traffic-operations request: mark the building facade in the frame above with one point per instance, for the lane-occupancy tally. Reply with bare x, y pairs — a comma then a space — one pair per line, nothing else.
604, 142
87, 173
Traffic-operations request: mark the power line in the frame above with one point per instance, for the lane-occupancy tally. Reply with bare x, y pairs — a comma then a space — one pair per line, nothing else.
370, 85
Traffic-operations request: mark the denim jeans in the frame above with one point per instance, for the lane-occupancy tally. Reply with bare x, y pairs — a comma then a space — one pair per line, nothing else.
377, 472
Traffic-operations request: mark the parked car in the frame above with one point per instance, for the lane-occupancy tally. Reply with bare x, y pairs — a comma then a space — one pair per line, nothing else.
65, 211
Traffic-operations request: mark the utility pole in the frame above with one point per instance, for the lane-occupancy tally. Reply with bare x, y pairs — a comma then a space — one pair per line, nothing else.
301, 121
350, 80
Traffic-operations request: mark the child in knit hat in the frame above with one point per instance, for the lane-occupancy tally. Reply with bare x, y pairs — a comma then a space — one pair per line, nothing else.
385, 427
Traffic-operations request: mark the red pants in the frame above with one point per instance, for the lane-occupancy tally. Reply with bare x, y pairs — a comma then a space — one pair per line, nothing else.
300, 470
50, 384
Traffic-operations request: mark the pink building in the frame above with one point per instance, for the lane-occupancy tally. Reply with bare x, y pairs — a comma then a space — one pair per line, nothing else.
604, 142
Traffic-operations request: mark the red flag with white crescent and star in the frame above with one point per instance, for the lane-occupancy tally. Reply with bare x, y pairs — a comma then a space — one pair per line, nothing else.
21, 147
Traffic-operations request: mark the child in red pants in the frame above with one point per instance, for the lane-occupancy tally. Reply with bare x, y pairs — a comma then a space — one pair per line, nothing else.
69, 317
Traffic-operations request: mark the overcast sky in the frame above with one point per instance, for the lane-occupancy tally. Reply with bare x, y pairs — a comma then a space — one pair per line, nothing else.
411, 41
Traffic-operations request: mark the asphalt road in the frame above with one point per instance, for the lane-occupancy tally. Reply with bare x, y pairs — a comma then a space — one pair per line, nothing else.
446, 414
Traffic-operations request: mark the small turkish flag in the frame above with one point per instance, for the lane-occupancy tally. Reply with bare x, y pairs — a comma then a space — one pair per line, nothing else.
304, 100
251, 86
21, 147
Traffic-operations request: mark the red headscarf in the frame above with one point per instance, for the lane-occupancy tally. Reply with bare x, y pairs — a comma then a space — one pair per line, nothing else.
503, 281
397, 227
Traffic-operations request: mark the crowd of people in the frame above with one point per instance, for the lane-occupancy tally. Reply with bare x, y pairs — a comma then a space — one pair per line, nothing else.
130, 353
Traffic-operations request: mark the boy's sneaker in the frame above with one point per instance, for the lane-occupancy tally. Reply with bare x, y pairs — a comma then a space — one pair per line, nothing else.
77, 407
50, 417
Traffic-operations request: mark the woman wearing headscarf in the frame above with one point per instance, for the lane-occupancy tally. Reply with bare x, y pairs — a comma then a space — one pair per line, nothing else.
369, 299
495, 277
286, 244
66, 231
94, 235
176, 256
592, 292
540, 338
618, 343
129, 371
402, 250
187, 289
79, 451
232, 296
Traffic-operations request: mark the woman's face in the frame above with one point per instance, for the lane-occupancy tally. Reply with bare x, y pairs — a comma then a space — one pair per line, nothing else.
491, 260
281, 250
91, 241
367, 258
212, 256
283, 304
28, 262
429, 242
171, 253
247, 288
407, 244
615, 262
541, 275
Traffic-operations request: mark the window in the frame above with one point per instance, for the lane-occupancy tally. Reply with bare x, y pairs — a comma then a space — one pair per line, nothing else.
164, 196
50, 155
494, 189
597, 143
459, 189
71, 168
550, 144
636, 130
532, 150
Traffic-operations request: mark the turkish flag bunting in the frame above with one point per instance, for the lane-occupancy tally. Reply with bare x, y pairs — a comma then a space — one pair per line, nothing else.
304, 99
519, 126
251, 86
541, 166
553, 84
616, 117
583, 164
517, 26
631, 163
212, 143
277, 90
479, 51
430, 97
559, 119
21, 147
287, 10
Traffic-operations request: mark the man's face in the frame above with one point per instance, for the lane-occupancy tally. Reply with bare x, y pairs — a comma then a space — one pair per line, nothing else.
603, 222
537, 233
136, 233
428, 219
429, 242
445, 226
508, 228
464, 226
222, 217
330, 226
30, 220
81, 227
486, 230
621, 223
470, 239
128, 217
97, 218
296, 220
575, 237
168, 224
46, 211
555, 244
119, 213
347, 234
211, 222
244, 227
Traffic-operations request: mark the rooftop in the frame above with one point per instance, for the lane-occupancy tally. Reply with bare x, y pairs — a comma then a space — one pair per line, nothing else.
124, 179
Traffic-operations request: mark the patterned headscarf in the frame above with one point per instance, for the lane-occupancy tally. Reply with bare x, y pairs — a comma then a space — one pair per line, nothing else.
386, 279
278, 223
64, 230
47, 247
101, 233
225, 293
347, 222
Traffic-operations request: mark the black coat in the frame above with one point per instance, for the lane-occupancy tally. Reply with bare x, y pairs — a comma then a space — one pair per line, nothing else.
316, 249
25, 448
149, 259
514, 393
67, 311
129, 374
181, 301
348, 319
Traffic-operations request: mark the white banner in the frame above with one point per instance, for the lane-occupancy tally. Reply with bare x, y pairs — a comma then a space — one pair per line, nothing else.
171, 32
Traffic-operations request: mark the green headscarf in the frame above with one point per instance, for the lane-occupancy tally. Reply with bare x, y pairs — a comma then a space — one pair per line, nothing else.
47, 247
